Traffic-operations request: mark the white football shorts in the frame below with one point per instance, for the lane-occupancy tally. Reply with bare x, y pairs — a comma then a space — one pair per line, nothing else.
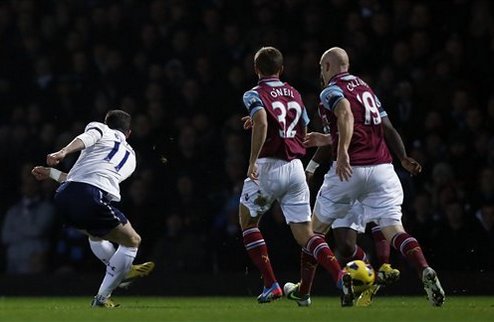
377, 188
279, 180
354, 220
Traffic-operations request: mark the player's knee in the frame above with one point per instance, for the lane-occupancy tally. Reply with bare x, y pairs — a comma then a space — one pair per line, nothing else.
246, 220
135, 241
346, 248
301, 239
302, 232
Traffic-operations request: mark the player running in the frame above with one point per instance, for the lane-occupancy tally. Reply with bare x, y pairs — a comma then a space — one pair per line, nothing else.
85, 198
279, 125
362, 171
345, 229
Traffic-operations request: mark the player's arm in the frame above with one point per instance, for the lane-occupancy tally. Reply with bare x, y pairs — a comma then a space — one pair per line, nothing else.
259, 123
313, 139
322, 154
304, 119
317, 139
259, 132
42, 173
330, 98
55, 157
395, 143
344, 124
93, 133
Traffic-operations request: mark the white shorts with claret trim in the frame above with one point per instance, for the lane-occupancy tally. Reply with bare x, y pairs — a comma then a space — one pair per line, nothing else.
377, 188
354, 220
279, 180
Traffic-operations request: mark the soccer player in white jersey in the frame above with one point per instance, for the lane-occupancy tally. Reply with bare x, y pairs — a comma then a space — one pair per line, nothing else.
85, 198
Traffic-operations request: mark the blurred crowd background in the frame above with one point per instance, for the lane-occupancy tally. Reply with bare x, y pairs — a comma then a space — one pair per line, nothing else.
180, 68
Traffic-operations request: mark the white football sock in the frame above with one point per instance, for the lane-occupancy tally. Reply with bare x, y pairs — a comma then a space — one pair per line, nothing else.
120, 264
103, 249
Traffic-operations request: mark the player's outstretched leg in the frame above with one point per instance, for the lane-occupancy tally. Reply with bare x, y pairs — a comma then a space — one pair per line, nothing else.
432, 287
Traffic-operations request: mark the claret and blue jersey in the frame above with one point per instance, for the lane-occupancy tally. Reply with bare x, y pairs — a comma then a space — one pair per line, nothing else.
368, 146
286, 114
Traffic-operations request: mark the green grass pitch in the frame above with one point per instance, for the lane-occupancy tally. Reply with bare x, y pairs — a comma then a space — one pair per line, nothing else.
218, 309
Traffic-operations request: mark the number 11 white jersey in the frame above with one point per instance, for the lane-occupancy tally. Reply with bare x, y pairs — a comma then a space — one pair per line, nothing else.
106, 161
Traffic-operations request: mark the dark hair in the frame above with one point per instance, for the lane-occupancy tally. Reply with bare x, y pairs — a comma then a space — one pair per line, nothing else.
268, 60
118, 120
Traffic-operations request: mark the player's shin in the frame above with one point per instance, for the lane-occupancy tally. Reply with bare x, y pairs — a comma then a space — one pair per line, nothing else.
382, 245
308, 267
103, 249
409, 247
120, 263
258, 253
357, 254
318, 247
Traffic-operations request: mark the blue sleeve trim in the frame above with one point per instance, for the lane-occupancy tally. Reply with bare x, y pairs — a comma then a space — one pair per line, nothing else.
330, 96
305, 117
335, 102
252, 102
380, 108
255, 110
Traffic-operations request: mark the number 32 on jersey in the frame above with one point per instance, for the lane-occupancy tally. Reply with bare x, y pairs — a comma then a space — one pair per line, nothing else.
284, 118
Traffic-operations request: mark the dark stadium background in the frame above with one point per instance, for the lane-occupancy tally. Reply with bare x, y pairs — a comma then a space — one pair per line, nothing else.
181, 67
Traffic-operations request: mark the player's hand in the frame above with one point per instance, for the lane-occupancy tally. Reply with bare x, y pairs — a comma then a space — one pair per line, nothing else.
343, 168
247, 122
55, 158
411, 166
252, 172
41, 173
316, 139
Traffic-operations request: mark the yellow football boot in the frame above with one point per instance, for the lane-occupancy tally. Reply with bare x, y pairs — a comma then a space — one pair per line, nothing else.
366, 297
103, 303
387, 275
137, 271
